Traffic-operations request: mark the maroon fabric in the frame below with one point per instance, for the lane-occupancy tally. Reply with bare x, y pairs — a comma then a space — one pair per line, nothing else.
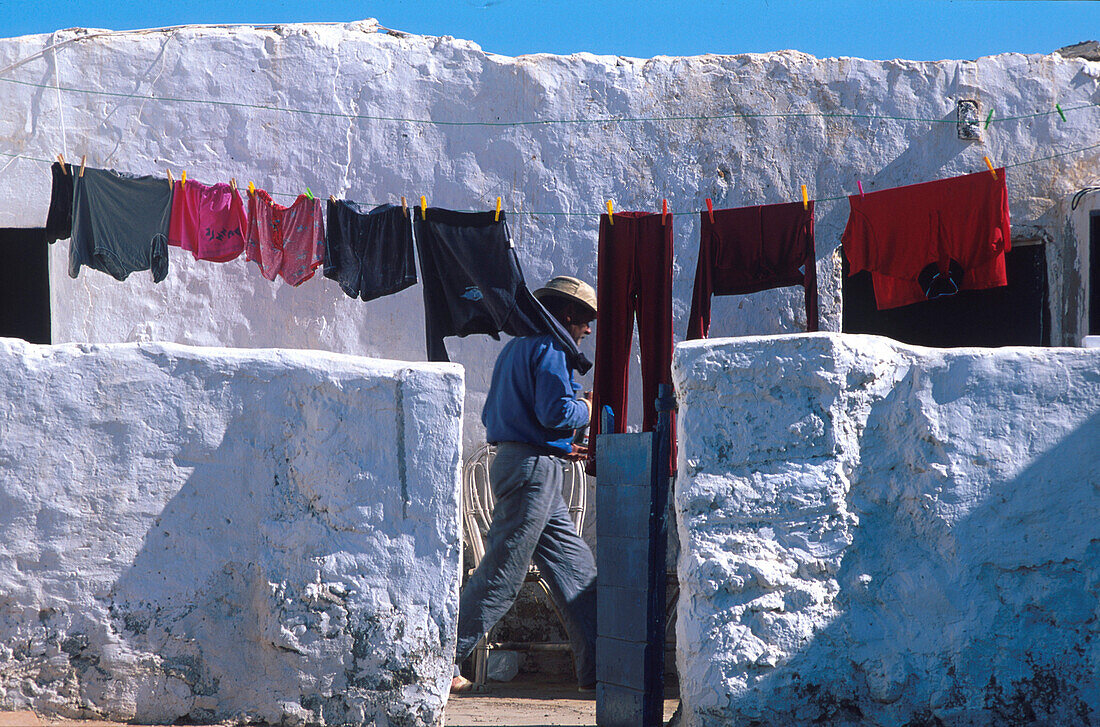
634, 279
896, 233
749, 249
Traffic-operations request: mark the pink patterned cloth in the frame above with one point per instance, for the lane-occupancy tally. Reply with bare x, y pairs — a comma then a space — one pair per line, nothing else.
286, 241
209, 222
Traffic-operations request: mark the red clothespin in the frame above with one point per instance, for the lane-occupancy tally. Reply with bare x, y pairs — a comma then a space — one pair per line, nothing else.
710, 210
990, 165
610, 214
805, 198
664, 210
860, 185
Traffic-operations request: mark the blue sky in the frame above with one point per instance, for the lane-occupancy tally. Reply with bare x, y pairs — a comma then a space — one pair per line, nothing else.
878, 29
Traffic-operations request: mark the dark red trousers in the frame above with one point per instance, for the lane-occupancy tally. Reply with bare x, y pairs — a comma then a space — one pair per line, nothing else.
749, 249
634, 280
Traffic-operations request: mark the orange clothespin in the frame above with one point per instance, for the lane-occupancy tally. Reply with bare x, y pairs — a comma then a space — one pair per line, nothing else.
860, 185
805, 199
710, 210
83, 159
990, 165
404, 207
496, 217
664, 210
423, 207
61, 161
610, 213
183, 177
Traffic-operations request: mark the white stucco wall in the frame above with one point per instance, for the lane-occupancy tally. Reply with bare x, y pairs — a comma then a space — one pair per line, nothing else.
880, 534
214, 534
547, 169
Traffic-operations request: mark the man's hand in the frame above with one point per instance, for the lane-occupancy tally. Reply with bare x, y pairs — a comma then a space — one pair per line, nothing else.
579, 453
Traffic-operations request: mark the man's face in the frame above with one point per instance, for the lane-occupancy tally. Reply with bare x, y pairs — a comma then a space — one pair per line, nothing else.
580, 326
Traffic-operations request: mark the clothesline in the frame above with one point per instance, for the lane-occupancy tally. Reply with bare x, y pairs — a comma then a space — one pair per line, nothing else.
994, 119
515, 212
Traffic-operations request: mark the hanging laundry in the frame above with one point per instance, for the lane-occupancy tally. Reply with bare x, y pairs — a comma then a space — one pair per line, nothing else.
926, 240
473, 284
749, 249
120, 223
208, 221
634, 280
369, 252
24, 285
286, 241
59, 218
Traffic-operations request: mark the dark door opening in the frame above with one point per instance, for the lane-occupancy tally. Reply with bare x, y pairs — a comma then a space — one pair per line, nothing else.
1094, 273
24, 285
1015, 315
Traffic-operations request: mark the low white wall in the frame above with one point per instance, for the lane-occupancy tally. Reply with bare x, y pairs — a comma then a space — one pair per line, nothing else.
215, 534
879, 534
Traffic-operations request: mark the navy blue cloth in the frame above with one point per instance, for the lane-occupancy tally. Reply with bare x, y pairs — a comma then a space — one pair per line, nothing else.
369, 252
532, 396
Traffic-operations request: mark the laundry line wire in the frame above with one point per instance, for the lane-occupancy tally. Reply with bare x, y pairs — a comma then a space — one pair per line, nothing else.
516, 213
538, 122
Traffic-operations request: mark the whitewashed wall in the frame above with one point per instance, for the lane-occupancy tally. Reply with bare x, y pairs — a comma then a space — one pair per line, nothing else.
543, 168
879, 534
225, 535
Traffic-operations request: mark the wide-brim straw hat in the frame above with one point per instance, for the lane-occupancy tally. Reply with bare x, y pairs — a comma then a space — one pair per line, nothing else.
573, 289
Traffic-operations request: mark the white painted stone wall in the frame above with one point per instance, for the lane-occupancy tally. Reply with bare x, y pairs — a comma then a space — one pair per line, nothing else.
879, 534
214, 534
544, 170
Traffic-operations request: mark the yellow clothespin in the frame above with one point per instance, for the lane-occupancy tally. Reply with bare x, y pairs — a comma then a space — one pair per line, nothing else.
990, 165
404, 207
423, 207
233, 183
332, 198
61, 161
805, 198
496, 217
610, 213
183, 177
83, 159
170, 180
251, 188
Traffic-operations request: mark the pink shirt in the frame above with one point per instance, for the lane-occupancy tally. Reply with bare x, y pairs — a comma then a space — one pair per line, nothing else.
209, 222
286, 241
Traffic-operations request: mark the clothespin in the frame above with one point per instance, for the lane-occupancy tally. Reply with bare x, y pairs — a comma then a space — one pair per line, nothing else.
83, 159
251, 189
710, 210
183, 176
610, 213
664, 210
233, 183
61, 161
404, 207
170, 180
1057, 106
988, 119
805, 199
332, 198
990, 165
423, 207
309, 194
860, 185
496, 217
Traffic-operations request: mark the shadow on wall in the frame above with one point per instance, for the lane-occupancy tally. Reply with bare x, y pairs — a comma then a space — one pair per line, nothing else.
273, 585
987, 616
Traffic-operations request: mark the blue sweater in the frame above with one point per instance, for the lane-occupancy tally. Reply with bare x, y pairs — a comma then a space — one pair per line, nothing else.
532, 397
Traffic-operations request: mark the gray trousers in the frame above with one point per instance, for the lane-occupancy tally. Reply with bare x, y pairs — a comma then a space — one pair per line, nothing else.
531, 523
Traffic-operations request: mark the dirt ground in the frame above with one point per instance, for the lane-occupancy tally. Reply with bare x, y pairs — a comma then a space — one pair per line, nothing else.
515, 704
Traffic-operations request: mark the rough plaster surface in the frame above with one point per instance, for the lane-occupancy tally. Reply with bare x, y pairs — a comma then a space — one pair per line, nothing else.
880, 534
212, 534
552, 168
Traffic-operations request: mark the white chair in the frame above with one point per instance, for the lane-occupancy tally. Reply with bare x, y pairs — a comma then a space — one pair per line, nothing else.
477, 514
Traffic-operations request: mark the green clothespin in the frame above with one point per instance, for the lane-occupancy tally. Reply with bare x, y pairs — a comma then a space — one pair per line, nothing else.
1060, 112
308, 193
988, 119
